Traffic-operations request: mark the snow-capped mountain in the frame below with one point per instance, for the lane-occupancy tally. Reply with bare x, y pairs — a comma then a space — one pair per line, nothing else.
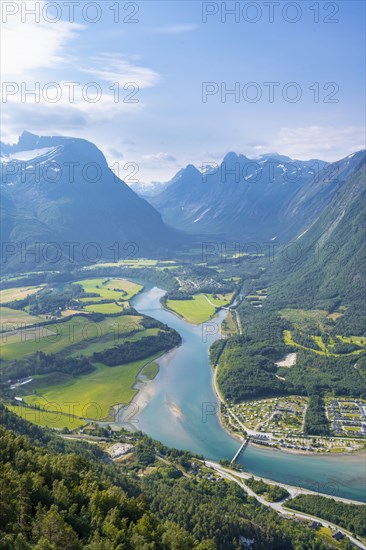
61, 190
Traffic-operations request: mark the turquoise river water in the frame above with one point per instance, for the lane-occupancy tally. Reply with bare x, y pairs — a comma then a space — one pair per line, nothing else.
179, 408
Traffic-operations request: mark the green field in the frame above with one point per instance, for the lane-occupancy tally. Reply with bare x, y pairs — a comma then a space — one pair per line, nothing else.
93, 395
306, 320
151, 370
49, 418
229, 326
288, 339
357, 340
220, 300
79, 331
10, 319
17, 293
109, 289
110, 307
95, 346
140, 262
195, 311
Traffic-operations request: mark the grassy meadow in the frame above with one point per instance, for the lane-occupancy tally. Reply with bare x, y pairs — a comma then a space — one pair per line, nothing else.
77, 331
201, 307
49, 418
93, 395
17, 293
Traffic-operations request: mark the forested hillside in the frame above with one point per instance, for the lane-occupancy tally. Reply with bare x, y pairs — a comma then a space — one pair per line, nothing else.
62, 494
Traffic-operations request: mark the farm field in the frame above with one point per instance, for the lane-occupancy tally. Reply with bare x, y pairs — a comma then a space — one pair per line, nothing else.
78, 330
109, 289
10, 319
17, 293
95, 346
220, 300
93, 395
257, 299
201, 307
124, 263
49, 419
110, 307
195, 311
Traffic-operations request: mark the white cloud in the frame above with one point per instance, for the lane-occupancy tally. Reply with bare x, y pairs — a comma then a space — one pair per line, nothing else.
27, 45
112, 68
304, 143
328, 143
34, 54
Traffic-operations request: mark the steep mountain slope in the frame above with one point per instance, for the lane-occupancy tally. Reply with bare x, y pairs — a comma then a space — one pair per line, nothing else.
61, 190
241, 198
331, 269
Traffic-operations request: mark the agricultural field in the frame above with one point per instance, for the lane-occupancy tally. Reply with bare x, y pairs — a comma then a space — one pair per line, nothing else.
14, 319
17, 293
110, 307
109, 289
232, 279
78, 332
197, 310
98, 345
137, 263
258, 297
50, 419
93, 395
220, 300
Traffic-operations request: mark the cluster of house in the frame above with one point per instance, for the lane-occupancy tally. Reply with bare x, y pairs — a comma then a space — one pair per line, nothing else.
197, 471
341, 414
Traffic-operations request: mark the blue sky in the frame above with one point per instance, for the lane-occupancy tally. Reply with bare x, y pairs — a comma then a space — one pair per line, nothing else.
169, 53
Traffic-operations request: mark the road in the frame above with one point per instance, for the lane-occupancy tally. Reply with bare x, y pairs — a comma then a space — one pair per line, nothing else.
279, 506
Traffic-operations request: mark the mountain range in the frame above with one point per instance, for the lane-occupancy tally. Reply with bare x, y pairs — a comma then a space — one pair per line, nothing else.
61, 190
271, 198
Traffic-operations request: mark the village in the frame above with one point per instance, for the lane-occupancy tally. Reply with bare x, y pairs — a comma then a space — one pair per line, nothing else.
279, 423
347, 416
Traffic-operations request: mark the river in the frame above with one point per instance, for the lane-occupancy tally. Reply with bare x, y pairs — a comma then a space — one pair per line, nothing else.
179, 408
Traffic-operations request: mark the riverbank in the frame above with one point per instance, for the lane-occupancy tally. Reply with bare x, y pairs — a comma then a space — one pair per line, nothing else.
348, 454
249, 432
185, 380
285, 450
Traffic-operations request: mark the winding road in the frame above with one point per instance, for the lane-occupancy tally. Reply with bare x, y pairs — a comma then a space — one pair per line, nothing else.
279, 506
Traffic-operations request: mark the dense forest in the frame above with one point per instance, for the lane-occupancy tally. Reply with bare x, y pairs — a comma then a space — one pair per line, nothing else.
63, 494
133, 350
42, 363
247, 368
316, 422
349, 516
272, 493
